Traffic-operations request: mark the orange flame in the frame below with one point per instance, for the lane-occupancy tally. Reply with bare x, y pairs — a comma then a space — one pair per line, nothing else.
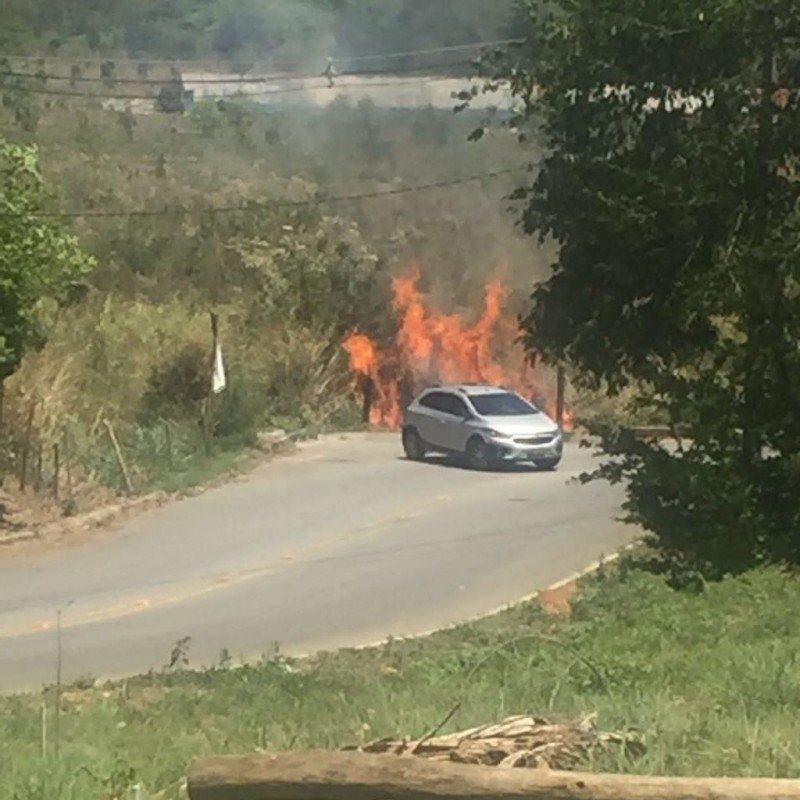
431, 346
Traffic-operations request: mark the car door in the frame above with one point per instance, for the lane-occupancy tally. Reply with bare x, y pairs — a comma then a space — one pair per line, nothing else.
455, 428
431, 418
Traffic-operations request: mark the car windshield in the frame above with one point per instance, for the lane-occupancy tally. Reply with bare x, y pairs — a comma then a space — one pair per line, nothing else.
502, 404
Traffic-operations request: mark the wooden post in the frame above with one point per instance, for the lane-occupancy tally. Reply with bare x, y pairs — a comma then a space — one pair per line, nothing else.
39, 467
322, 775
68, 465
168, 443
120, 458
44, 729
208, 404
214, 331
56, 470
59, 684
561, 382
26, 448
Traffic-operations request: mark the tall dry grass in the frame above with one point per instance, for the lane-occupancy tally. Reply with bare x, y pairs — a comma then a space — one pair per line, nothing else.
146, 369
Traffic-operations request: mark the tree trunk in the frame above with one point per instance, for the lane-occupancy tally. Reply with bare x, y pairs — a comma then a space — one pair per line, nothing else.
761, 290
368, 395
323, 775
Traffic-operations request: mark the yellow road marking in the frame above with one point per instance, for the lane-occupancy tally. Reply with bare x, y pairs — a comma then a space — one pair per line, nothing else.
40, 627
129, 606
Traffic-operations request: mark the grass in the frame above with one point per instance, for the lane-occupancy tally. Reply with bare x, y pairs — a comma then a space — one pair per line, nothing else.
174, 457
144, 368
710, 681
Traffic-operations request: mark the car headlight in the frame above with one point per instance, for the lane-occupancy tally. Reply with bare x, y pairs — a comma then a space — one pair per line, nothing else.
493, 434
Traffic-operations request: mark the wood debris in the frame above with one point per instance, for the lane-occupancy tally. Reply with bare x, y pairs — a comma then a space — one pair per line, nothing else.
520, 741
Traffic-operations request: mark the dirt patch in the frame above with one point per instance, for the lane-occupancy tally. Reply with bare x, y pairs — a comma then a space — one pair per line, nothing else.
42, 532
557, 600
26, 510
32, 523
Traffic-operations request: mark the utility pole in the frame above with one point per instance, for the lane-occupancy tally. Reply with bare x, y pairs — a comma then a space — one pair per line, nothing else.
207, 408
561, 382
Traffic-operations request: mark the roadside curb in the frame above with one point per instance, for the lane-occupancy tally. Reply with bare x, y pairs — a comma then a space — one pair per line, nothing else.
15, 538
584, 573
572, 579
114, 513
106, 515
570, 583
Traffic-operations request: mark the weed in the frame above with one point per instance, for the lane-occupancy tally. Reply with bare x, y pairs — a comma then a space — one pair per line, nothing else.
709, 680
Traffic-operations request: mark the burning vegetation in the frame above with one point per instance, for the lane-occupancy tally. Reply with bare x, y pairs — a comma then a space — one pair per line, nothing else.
434, 347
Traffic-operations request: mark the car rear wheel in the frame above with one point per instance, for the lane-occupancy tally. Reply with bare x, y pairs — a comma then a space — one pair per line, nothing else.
413, 446
478, 454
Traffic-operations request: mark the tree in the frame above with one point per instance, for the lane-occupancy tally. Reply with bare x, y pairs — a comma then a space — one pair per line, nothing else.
169, 99
38, 258
669, 184
371, 144
309, 271
391, 26
254, 29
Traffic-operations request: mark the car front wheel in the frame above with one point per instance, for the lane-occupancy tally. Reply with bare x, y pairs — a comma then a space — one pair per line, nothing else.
478, 454
413, 446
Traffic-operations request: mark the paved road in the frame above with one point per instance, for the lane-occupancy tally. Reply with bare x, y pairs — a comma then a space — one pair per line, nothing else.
341, 544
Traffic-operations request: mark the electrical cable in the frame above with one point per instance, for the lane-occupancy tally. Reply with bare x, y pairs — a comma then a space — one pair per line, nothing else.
260, 206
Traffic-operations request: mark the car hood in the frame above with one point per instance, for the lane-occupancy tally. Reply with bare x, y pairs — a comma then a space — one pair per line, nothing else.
530, 424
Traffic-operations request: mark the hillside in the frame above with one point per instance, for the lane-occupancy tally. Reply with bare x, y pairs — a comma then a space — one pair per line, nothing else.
288, 220
277, 30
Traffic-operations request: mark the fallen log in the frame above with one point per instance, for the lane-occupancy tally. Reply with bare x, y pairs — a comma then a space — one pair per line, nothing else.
330, 775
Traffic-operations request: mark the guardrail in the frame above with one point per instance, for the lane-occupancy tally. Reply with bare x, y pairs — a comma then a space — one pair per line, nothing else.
329, 775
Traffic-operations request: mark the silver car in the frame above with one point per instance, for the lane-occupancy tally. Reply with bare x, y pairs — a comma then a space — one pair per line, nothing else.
486, 424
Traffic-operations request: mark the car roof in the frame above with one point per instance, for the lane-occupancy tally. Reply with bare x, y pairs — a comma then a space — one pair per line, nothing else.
468, 388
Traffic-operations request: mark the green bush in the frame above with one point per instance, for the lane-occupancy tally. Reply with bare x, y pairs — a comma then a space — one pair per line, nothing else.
177, 386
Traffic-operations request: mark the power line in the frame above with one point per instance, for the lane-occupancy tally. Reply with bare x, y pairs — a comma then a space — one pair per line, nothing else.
206, 62
282, 76
264, 93
271, 204
430, 51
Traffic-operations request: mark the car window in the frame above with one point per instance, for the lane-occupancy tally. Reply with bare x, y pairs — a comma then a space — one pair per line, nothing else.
444, 403
455, 406
502, 404
434, 400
